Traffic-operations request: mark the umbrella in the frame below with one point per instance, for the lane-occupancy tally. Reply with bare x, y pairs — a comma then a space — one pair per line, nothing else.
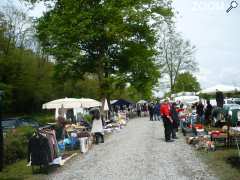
142, 102
105, 105
70, 103
220, 87
88, 103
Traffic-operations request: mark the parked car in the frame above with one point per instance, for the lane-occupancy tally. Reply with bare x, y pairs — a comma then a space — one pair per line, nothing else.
28, 121
12, 123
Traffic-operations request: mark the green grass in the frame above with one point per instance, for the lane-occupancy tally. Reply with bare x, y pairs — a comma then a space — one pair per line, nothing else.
17, 171
20, 170
221, 163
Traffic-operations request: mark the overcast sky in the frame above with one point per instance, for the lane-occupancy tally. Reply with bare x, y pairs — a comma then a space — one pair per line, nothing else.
215, 33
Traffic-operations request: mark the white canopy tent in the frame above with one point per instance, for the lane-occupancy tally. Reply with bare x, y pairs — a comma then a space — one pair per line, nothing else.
71, 103
220, 87
187, 99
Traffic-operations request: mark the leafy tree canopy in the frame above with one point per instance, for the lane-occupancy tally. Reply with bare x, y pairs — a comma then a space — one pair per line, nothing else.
110, 38
186, 82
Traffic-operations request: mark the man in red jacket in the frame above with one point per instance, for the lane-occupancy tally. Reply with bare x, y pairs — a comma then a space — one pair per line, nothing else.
167, 120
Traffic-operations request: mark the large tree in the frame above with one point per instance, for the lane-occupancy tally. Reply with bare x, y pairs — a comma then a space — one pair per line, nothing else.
186, 82
113, 39
177, 54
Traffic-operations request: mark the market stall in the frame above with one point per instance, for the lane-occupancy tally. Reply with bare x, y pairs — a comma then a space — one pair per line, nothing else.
235, 134
220, 87
77, 105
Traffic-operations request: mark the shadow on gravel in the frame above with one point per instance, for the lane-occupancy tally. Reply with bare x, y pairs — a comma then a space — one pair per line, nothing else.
234, 161
160, 139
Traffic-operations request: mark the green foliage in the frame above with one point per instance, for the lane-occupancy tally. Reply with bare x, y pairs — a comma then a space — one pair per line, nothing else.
108, 38
186, 82
26, 79
45, 118
88, 118
15, 144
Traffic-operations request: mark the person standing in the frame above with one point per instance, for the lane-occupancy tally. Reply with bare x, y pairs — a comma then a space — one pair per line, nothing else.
156, 114
151, 111
97, 126
200, 111
182, 116
175, 118
208, 112
138, 110
219, 98
167, 120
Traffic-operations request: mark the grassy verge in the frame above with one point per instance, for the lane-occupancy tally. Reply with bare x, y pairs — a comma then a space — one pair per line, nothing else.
224, 163
20, 171
17, 171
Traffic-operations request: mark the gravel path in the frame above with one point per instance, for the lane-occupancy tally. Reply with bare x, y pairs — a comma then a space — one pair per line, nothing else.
138, 152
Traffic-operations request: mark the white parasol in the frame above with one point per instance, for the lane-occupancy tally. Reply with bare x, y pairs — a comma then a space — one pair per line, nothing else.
105, 105
70, 103
142, 102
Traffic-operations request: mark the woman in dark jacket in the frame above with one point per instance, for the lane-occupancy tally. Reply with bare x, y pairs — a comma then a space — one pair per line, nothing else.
175, 118
208, 112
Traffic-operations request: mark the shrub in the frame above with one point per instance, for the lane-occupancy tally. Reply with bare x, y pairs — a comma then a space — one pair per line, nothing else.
46, 119
88, 118
16, 144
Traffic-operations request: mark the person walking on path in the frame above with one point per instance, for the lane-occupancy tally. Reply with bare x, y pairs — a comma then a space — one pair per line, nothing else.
151, 111
97, 126
175, 118
156, 114
167, 120
138, 110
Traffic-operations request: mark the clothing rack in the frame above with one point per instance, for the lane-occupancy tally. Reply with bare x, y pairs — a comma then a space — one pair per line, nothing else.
46, 147
45, 127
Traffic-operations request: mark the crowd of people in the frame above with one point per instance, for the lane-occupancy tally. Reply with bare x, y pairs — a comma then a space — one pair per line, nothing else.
173, 115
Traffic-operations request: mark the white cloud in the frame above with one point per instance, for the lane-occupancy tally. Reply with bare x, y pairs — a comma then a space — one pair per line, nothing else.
216, 36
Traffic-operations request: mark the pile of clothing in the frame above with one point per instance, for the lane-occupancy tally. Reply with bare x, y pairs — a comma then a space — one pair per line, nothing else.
201, 143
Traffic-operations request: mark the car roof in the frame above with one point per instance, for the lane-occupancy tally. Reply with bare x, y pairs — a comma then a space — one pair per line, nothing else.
10, 119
